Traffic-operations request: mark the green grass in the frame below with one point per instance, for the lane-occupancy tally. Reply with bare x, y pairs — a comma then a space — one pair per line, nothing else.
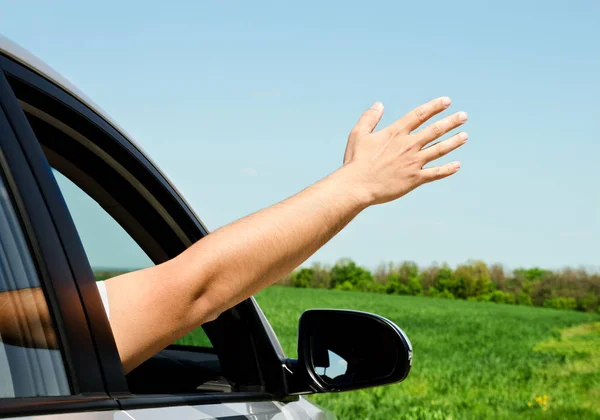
471, 359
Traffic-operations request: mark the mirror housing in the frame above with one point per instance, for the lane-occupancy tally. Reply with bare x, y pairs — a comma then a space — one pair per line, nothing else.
343, 350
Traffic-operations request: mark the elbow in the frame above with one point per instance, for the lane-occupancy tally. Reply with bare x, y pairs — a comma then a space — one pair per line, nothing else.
205, 287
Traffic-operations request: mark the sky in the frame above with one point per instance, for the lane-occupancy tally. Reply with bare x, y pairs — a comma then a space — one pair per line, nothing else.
243, 104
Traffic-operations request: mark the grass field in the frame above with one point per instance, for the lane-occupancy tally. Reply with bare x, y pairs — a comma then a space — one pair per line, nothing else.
471, 359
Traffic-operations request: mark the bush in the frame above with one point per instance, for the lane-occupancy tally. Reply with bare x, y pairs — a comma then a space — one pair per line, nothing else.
414, 287
561, 303
395, 285
347, 271
524, 299
445, 279
444, 294
589, 303
302, 278
498, 296
510, 298
401, 280
345, 286
378, 288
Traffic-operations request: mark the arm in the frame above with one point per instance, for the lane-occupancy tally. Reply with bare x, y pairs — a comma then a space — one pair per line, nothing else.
152, 308
25, 319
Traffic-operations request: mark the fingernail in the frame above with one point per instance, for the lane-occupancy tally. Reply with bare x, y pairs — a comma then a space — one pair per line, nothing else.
446, 101
463, 136
456, 166
377, 106
463, 116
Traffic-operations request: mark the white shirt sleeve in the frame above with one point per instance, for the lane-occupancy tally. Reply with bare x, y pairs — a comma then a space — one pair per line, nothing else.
104, 296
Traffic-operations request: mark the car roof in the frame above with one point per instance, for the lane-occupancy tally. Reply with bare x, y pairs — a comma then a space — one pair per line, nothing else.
21, 55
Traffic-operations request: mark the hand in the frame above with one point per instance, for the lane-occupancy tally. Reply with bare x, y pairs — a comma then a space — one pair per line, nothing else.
388, 163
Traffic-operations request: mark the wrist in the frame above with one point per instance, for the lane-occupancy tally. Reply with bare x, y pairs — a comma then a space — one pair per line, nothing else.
350, 182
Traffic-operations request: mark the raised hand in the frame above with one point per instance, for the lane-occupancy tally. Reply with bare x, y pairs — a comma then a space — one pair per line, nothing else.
389, 163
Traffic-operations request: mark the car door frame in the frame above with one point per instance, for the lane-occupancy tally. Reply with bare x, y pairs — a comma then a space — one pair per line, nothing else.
82, 364
272, 358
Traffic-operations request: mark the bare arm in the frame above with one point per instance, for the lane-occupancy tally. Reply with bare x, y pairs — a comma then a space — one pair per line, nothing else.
25, 319
152, 308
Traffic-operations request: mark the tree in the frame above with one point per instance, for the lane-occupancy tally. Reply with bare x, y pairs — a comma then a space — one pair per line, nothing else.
382, 272
532, 274
524, 299
404, 280
321, 278
569, 288
395, 286
428, 276
302, 278
445, 279
346, 270
498, 277
471, 280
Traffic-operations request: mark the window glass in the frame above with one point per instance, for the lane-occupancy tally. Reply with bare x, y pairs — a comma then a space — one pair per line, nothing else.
109, 248
31, 363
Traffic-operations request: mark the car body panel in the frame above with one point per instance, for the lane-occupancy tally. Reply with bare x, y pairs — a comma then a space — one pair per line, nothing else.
297, 410
92, 415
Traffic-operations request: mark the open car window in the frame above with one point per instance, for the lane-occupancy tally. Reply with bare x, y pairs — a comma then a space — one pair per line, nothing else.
111, 252
109, 248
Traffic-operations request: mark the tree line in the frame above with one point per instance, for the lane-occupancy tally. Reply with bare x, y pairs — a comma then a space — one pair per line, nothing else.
573, 289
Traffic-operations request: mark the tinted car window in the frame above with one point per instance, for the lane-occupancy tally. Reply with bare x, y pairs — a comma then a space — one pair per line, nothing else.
31, 363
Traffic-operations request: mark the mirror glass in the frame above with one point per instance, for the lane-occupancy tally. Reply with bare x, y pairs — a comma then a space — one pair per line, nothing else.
347, 349
337, 366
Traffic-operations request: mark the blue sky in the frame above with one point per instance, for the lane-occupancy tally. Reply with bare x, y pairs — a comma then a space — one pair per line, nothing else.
245, 103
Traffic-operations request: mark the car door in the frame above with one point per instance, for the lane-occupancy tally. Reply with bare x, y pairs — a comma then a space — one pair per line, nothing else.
231, 367
48, 358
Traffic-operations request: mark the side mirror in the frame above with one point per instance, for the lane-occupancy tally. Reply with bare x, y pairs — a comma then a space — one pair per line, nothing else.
342, 350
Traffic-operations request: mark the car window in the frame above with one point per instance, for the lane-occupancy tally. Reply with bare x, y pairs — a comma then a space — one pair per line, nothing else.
109, 248
31, 363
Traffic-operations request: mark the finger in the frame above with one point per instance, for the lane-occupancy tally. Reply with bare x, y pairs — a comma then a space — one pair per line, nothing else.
439, 172
369, 119
418, 116
443, 147
441, 127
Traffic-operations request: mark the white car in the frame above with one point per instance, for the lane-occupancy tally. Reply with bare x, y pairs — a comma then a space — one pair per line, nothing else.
53, 139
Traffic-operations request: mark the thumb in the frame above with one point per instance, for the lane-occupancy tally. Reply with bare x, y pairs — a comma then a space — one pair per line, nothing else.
369, 119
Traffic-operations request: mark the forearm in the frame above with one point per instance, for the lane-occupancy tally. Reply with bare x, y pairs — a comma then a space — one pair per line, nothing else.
246, 256
25, 319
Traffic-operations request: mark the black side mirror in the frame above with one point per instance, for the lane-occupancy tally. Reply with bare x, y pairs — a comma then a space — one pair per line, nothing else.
343, 350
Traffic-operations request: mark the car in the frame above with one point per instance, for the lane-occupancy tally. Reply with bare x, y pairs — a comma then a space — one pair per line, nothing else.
58, 150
